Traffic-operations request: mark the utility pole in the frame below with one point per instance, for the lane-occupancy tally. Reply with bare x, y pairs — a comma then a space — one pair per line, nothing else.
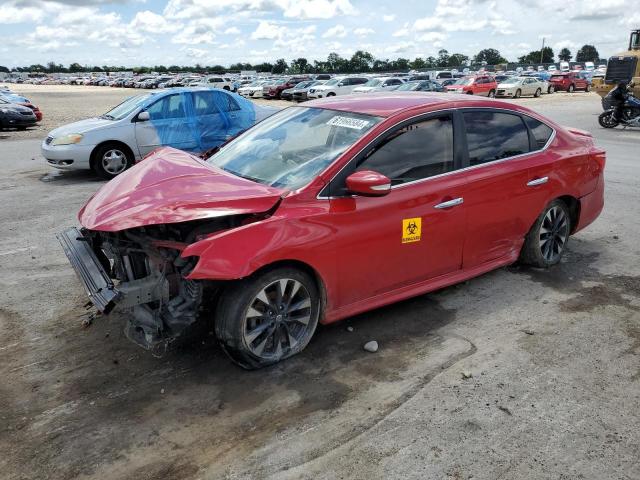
542, 50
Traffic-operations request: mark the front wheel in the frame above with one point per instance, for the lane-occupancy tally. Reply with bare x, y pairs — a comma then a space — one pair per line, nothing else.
268, 317
492, 94
571, 88
331, 94
111, 160
546, 241
607, 119
587, 88
517, 94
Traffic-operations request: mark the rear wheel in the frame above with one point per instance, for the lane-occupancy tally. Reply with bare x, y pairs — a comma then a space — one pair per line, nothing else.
547, 239
492, 94
268, 317
111, 160
607, 119
587, 88
571, 88
551, 89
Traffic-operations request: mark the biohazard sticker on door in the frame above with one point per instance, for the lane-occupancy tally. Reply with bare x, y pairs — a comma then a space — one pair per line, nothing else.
411, 229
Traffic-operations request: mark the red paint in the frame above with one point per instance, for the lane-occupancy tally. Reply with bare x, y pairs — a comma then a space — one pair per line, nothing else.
563, 81
35, 109
355, 243
482, 85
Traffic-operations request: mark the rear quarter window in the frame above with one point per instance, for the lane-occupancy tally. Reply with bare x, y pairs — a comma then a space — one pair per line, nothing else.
494, 135
540, 131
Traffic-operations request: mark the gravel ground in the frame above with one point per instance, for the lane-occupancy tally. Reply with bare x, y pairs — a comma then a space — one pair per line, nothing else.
62, 104
517, 374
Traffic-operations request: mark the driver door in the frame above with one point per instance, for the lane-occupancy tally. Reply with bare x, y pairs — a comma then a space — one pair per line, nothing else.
414, 233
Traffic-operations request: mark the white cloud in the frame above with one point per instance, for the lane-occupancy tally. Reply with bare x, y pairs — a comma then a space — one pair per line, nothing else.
337, 31
388, 18
199, 32
147, 21
403, 32
232, 31
267, 31
363, 32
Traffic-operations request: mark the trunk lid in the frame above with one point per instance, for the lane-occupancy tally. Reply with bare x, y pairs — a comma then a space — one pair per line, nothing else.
171, 186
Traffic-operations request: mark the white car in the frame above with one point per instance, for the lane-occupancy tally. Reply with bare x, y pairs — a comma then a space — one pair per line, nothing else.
193, 120
253, 89
336, 86
515, 87
213, 81
552, 68
379, 84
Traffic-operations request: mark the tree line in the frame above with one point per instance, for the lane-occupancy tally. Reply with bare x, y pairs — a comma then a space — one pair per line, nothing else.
361, 61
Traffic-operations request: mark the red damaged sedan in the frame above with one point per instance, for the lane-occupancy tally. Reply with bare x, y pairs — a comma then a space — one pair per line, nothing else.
324, 211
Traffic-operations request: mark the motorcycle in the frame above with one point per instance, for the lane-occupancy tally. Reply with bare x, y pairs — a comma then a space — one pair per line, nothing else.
630, 114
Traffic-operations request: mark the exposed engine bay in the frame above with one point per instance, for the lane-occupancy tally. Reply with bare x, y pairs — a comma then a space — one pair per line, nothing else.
149, 275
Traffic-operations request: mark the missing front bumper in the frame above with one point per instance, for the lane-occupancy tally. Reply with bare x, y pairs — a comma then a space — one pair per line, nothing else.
99, 287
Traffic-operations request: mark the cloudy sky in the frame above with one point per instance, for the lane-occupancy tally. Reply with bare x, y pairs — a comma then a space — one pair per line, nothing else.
185, 32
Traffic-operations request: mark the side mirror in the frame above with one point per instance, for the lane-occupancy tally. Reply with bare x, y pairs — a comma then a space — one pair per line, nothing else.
368, 183
341, 84
143, 116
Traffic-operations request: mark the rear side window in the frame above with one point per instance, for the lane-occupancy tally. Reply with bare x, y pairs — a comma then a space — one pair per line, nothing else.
226, 103
414, 152
541, 132
494, 135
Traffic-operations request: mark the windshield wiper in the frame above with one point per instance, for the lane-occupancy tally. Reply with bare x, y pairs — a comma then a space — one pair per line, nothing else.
246, 177
106, 116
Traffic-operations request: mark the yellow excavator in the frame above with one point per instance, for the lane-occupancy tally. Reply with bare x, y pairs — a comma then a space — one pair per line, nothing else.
623, 67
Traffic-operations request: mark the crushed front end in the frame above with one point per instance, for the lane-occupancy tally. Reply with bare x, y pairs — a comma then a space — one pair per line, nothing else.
141, 273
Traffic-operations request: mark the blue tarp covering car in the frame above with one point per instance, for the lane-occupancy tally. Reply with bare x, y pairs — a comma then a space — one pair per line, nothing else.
191, 119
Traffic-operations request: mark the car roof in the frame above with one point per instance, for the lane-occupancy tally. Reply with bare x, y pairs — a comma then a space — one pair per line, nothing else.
385, 104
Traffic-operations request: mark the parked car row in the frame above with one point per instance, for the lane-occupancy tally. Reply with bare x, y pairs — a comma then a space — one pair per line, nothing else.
17, 111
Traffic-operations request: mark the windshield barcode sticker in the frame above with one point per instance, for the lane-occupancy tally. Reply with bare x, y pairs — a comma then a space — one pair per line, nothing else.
347, 122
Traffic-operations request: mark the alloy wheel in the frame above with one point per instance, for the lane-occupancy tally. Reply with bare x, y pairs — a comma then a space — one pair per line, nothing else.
277, 319
114, 161
554, 231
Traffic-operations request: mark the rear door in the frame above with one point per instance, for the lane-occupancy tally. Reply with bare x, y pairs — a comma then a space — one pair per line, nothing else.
500, 206
414, 233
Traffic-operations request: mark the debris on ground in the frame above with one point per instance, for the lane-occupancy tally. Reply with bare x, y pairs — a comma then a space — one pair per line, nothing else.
505, 410
528, 332
467, 374
349, 328
371, 346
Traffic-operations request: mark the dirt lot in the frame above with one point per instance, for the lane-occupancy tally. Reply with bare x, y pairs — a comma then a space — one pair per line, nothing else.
554, 357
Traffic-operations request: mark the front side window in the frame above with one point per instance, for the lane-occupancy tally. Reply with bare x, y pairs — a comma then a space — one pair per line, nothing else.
171, 106
494, 135
414, 152
291, 147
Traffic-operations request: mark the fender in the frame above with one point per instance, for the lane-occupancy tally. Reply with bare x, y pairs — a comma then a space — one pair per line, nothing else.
239, 252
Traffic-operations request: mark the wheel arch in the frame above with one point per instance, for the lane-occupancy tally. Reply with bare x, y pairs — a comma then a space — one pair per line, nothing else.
119, 143
573, 204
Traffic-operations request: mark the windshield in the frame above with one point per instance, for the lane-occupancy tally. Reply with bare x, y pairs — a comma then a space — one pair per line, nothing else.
374, 82
293, 146
511, 80
126, 107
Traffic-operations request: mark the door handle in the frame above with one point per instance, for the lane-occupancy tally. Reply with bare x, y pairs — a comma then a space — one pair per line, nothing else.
537, 181
450, 203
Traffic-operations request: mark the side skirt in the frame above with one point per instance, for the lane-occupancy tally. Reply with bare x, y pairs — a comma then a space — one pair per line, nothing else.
414, 290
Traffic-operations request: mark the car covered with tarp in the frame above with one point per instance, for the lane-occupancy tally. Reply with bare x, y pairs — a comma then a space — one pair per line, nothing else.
190, 119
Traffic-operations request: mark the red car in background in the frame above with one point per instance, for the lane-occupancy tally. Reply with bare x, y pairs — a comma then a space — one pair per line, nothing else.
274, 91
569, 82
484, 85
324, 211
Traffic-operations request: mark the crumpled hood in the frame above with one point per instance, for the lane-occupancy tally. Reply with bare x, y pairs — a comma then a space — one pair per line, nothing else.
83, 126
171, 186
